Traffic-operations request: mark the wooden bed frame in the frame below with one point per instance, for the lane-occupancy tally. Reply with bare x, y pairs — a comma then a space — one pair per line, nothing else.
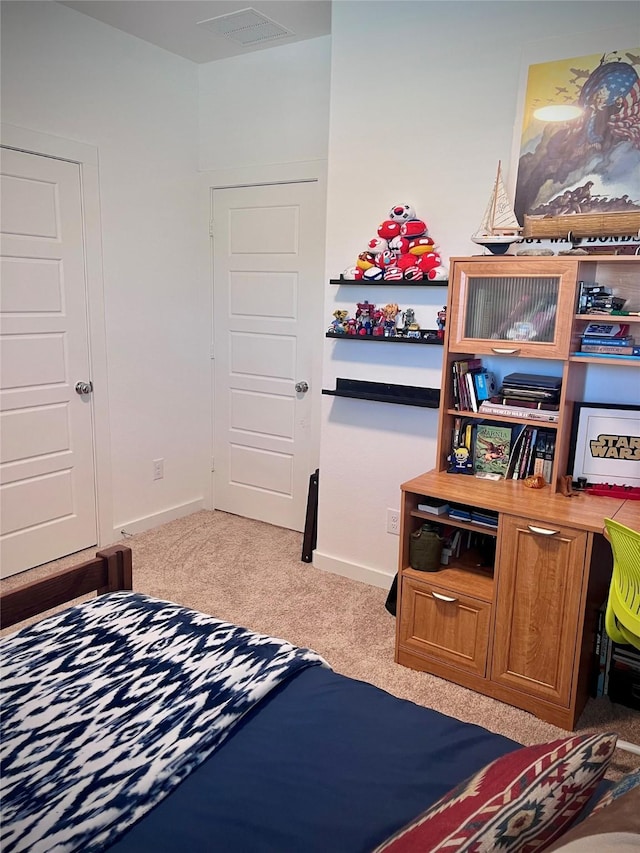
109, 571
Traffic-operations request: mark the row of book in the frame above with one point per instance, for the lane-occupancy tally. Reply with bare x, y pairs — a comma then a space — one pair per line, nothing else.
616, 670
505, 451
609, 339
461, 512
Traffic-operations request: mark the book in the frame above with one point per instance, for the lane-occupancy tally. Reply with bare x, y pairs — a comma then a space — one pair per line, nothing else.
549, 453
491, 448
523, 403
516, 448
541, 443
533, 381
609, 350
527, 452
607, 330
537, 394
634, 354
488, 408
624, 341
433, 506
486, 385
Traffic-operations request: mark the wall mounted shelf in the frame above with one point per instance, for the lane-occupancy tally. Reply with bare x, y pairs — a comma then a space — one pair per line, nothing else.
381, 339
385, 392
402, 282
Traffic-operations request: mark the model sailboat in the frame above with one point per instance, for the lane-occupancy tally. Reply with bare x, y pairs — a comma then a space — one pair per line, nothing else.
499, 227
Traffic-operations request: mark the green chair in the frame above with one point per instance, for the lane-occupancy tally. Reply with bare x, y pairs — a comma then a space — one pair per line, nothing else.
622, 619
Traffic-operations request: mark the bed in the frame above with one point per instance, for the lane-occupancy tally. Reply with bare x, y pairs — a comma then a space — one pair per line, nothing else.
133, 724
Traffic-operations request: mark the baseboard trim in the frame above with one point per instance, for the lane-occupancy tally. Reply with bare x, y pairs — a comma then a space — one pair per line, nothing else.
139, 525
374, 577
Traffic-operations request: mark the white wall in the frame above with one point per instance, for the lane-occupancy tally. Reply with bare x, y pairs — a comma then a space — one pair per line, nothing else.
267, 108
424, 101
65, 74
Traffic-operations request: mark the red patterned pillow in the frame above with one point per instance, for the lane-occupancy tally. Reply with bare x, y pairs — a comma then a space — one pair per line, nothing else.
520, 802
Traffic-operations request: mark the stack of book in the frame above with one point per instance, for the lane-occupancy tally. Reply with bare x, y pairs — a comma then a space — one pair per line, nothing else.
526, 395
609, 339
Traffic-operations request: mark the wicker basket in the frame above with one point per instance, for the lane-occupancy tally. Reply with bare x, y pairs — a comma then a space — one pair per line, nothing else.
583, 225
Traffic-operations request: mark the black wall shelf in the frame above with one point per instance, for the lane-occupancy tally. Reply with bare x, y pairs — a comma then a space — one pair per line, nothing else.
384, 392
378, 339
400, 282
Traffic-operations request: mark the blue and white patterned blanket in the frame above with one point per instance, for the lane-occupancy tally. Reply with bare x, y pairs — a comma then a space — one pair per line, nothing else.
108, 706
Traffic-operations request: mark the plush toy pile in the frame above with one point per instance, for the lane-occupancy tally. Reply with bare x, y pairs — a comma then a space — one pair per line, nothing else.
401, 251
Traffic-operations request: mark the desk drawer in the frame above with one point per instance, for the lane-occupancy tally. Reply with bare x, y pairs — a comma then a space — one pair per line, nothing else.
441, 624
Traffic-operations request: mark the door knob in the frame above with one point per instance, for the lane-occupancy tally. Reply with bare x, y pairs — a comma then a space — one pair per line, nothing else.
302, 387
84, 387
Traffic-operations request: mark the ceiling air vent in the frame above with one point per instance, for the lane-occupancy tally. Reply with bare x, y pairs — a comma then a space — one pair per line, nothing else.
246, 27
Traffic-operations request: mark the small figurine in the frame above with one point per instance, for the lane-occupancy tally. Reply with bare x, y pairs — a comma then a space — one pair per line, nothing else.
364, 317
390, 312
442, 321
339, 323
410, 329
460, 462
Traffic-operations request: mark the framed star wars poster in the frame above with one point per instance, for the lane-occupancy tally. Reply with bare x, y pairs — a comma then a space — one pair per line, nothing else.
579, 157
605, 444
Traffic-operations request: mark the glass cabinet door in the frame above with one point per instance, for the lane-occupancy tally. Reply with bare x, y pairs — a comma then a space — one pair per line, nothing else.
519, 306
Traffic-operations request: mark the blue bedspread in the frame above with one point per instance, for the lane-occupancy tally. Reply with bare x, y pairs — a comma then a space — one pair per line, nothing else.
108, 706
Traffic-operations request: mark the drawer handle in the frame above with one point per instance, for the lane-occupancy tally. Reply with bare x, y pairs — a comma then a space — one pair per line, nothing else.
441, 597
543, 531
506, 350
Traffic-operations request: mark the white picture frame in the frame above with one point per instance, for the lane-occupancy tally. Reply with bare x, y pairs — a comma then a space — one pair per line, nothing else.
605, 443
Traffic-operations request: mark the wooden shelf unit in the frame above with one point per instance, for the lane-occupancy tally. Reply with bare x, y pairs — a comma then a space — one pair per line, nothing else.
522, 630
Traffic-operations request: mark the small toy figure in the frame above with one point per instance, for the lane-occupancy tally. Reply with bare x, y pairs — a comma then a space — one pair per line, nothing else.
339, 323
460, 462
410, 329
442, 321
390, 312
364, 317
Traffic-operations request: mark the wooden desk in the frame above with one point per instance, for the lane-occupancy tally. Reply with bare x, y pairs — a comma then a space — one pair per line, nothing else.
628, 514
521, 630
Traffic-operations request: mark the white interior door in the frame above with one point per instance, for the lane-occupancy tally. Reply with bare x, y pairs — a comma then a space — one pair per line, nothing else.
268, 274
47, 475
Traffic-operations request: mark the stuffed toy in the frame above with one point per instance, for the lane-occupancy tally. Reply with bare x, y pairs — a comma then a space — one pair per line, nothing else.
428, 261
372, 274
393, 273
421, 245
402, 212
385, 259
413, 228
399, 245
440, 273
377, 245
413, 273
405, 261
353, 273
388, 229
366, 260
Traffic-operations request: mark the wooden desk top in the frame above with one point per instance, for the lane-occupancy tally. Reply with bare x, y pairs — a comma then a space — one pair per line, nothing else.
628, 514
581, 511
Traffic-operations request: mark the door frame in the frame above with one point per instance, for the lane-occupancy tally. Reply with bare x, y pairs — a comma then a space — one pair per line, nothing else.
86, 156
253, 176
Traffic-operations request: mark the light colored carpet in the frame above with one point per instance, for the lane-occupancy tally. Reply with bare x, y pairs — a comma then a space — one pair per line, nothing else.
250, 573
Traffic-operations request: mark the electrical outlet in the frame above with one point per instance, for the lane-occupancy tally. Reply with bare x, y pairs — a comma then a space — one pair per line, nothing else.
393, 521
158, 469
